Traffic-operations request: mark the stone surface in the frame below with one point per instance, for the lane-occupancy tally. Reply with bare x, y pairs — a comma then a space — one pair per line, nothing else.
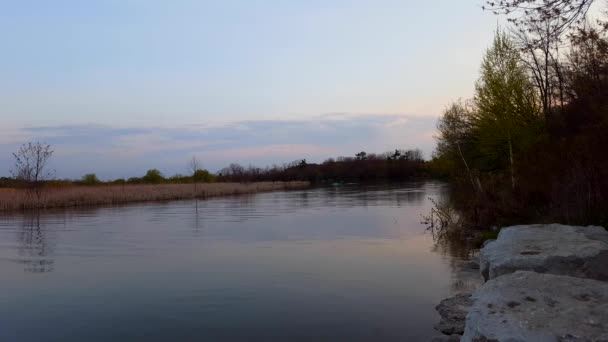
453, 312
485, 243
552, 248
447, 338
530, 306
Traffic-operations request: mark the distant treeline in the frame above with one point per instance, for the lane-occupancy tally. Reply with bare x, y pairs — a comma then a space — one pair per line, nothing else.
152, 176
396, 165
363, 167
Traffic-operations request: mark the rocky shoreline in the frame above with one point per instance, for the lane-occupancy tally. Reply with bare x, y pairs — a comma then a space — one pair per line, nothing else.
542, 283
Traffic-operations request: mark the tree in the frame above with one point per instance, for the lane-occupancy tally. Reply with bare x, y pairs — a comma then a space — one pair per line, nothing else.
394, 156
233, 172
90, 179
539, 27
194, 165
30, 163
361, 156
202, 176
153, 176
506, 116
414, 155
586, 81
454, 131
562, 14
541, 55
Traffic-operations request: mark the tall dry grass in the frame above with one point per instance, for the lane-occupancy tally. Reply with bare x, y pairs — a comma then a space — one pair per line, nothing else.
77, 196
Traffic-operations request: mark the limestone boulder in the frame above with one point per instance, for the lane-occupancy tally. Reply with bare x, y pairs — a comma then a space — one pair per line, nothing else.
529, 306
552, 248
453, 312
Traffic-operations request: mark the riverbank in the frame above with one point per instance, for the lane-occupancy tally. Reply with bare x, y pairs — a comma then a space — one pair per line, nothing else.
543, 283
79, 196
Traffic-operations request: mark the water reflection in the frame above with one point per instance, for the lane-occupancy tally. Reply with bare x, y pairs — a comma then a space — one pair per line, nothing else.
458, 252
40, 230
198, 220
455, 244
35, 247
336, 263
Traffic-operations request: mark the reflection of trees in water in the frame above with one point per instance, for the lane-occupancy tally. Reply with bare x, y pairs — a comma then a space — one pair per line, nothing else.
451, 236
415, 197
460, 254
352, 195
456, 246
455, 241
460, 251
34, 248
304, 201
245, 207
198, 219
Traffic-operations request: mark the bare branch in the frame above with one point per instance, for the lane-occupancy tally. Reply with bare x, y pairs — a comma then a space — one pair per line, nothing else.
30, 162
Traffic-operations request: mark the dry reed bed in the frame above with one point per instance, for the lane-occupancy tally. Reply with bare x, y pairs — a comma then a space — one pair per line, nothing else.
77, 196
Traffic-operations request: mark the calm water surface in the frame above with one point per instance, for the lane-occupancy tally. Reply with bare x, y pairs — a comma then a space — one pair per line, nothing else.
347, 263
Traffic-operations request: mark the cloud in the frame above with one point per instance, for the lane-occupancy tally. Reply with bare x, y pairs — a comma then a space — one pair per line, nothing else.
280, 151
113, 152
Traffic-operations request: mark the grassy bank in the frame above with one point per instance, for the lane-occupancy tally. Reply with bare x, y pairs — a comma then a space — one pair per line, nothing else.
77, 196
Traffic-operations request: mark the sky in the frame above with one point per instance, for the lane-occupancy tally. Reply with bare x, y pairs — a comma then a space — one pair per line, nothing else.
121, 86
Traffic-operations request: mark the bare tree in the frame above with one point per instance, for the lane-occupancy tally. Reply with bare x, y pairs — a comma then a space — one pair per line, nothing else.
194, 165
541, 55
31, 166
539, 26
31, 161
562, 14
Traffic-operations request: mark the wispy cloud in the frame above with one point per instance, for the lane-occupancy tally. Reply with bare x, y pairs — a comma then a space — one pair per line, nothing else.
128, 151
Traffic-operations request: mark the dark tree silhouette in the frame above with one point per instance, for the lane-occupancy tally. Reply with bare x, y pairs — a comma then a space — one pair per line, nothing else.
561, 13
30, 163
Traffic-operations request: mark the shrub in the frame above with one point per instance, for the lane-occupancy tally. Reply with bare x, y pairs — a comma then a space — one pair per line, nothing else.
90, 179
153, 176
202, 176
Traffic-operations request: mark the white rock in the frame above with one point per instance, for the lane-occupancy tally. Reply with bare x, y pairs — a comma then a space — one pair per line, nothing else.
529, 306
552, 248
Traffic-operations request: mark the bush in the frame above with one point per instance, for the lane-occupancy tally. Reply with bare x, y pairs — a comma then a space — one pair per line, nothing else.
202, 176
153, 176
90, 179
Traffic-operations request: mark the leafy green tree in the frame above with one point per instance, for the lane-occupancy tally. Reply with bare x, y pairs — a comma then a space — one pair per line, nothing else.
506, 118
454, 136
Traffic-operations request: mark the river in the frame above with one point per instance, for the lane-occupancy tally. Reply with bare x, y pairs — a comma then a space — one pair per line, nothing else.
348, 263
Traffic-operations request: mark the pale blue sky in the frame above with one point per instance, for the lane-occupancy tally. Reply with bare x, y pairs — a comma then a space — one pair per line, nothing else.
158, 65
